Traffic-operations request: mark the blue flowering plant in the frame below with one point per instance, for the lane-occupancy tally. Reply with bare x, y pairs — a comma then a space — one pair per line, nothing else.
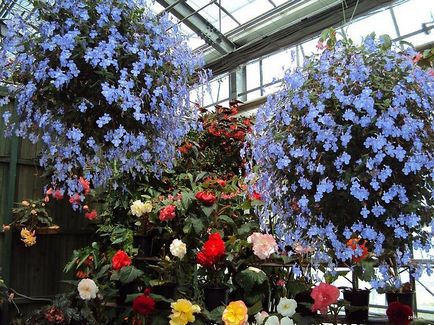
345, 150
103, 85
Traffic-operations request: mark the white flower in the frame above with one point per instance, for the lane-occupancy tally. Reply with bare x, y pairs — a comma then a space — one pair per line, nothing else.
138, 208
178, 248
272, 320
87, 289
286, 321
286, 307
260, 317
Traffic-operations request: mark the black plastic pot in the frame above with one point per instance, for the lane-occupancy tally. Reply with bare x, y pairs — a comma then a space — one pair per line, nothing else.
358, 310
405, 298
215, 297
124, 290
143, 244
301, 298
166, 290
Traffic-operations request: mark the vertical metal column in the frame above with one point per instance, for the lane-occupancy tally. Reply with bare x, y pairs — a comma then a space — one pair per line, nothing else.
238, 84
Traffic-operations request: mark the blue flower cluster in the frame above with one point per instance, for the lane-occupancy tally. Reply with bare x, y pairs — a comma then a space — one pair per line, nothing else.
346, 150
104, 85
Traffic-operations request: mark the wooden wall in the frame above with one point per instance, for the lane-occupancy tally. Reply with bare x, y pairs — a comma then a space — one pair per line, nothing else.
34, 271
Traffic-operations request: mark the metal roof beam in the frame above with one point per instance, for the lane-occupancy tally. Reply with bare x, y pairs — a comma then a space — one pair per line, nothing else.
198, 24
293, 27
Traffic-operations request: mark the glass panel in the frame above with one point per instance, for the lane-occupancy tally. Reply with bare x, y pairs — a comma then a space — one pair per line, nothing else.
274, 66
380, 22
252, 75
253, 95
244, 10
410, 15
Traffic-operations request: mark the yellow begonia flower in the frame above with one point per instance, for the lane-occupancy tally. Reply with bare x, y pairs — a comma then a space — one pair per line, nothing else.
235, 313
28, 237
147, 207
183, 312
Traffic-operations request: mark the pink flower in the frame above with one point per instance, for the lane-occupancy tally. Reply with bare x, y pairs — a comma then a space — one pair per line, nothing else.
91, 215
280, 283
263, 245
324, 295
299, 249
167, 213
85, 184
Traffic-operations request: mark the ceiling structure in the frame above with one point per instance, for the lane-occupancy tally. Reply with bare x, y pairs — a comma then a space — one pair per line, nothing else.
237, 31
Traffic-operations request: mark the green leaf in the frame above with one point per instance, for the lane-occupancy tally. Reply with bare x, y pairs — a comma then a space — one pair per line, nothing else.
226, 219
129, 273
247, 279
256, 308
115, 276
197, 225
102, 271
208, 210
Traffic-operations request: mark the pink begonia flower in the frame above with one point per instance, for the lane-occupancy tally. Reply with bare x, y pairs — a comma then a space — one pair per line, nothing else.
263, 245
299, 249
324, 295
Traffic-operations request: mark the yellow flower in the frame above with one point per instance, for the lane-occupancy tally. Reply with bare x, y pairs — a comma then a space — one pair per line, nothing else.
28, 237
147, 207
25, 203
235, 313
182, 312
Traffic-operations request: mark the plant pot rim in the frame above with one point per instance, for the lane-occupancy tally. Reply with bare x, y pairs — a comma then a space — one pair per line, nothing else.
347, 289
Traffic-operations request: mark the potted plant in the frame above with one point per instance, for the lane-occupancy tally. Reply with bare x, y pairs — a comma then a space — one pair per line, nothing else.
344, 150
211, 258
362, 268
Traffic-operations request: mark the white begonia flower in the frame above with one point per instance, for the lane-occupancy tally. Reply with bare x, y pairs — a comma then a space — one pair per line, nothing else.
178, 248
286, 321
260, 317
286, 307
87, 289
272, 320
138, 208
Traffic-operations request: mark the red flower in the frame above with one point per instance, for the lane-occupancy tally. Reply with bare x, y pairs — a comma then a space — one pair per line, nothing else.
212, 251
75, 199
144, 305
90, 215
353, 243
185, 148
58, 195
324, 295
204, 259
399, 314
239, 135
256, 196
167, 213
206, 198
120, 259
85, 184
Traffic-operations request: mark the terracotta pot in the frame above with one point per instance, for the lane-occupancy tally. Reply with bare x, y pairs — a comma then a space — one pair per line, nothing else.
357, 298
215, 297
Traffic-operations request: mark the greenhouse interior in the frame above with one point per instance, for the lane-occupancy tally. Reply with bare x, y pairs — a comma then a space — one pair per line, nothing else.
217, 162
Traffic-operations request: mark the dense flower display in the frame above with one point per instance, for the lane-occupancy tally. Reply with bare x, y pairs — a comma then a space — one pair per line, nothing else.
345, 150
102, 84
